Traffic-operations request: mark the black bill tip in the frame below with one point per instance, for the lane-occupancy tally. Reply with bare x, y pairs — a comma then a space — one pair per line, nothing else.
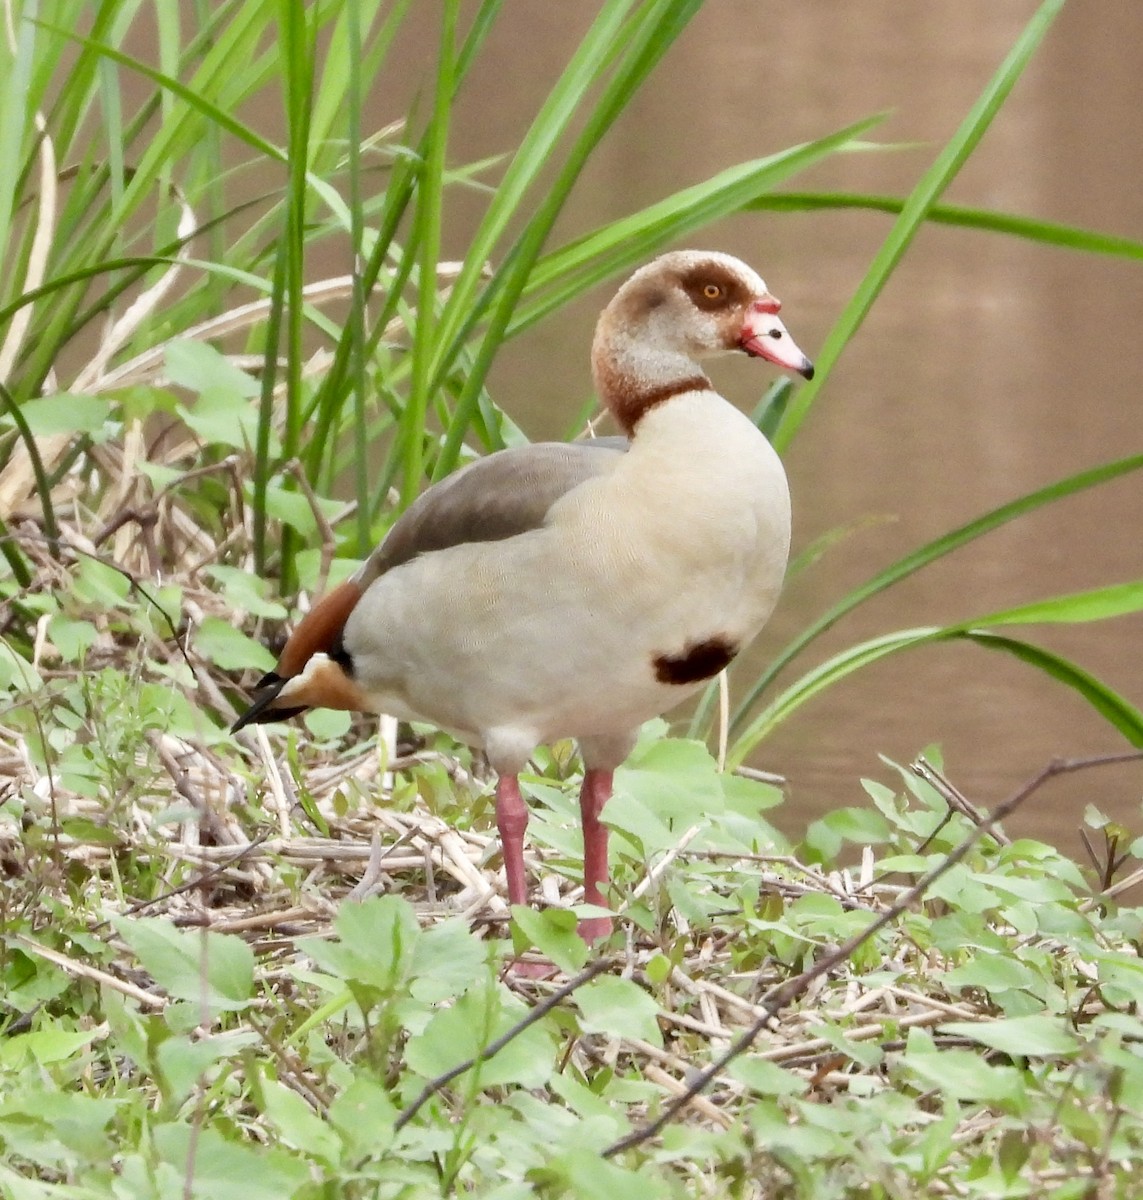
262, 710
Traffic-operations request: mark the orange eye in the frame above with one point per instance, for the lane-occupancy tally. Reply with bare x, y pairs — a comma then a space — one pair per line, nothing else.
712, 291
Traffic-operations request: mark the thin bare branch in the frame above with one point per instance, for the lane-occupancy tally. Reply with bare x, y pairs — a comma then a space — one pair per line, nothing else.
493, 1048
786, 993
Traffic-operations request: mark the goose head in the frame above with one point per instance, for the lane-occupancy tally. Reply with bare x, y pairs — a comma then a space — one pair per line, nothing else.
681, 308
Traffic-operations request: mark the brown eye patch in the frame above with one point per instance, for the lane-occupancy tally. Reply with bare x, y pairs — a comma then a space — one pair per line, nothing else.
711, 288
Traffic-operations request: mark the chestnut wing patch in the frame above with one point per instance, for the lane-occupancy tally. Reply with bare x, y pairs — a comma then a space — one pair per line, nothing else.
698, 661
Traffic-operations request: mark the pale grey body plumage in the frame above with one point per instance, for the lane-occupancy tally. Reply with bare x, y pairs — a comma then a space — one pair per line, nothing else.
601, 561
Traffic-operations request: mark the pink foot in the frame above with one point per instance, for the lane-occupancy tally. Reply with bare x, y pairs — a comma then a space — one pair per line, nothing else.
532, 969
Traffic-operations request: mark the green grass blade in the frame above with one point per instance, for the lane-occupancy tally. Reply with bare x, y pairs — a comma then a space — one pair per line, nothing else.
268, 381
930, 552
535, 152
399, 194
1098, 604
656, 26
913, 213
481, 27
43, 485
69, 100
351, 27
15, 112
1031, 229
1113, 707
296, 40
339, 86
427, 228
11, 551
195, 100
819, 679
572, 269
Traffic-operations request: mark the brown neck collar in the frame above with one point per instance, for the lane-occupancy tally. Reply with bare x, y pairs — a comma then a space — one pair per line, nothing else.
630, 402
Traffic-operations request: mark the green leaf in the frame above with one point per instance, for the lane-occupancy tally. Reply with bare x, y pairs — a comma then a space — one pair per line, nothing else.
995, 973
71, 638
552, 932
364, 1115
78, 1121
377, 942
219, 420
225, 1169
1042, 890
298, 1125
1015, 1150
766, 1078
584, 1175
183, 1060
1041, 1036
676, 779
664, 787
861, 826
447, 957
64, 413
16, 672
199, 368
965, 1075
96, 583
229, 648
619, 1008
51, 1044
658, 968
476, 1020
295, 510
247, 591
214, 969
327, 724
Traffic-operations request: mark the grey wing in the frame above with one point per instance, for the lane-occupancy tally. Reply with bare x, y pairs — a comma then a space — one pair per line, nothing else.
507, 493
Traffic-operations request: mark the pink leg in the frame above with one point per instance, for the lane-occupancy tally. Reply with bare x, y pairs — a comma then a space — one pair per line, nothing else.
593, 795
511, 821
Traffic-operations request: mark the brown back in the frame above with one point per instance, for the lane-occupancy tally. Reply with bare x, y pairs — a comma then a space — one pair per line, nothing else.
501, 496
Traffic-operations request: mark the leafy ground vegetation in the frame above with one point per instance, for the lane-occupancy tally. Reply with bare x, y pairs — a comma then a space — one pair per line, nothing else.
280, 965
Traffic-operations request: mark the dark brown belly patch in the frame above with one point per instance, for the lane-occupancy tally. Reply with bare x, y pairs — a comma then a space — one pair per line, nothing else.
698, 661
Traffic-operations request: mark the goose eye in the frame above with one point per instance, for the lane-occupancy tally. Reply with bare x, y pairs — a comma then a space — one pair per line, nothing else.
712, 291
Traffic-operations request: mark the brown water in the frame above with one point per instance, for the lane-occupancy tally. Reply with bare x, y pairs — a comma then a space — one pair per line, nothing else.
989, 366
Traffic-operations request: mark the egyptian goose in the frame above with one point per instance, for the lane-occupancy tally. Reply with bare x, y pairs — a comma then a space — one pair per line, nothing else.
575, 591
